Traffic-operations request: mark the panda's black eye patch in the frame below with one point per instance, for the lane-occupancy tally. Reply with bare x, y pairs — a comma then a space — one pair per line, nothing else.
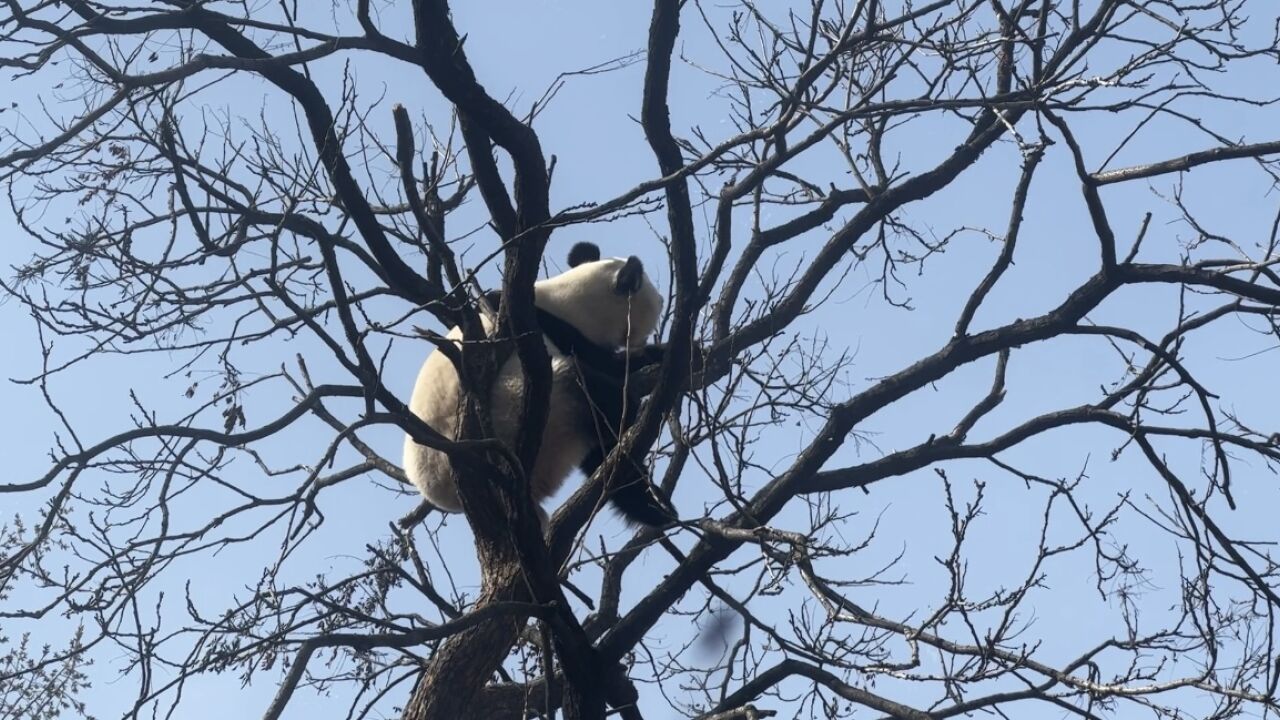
583, 252
629, 278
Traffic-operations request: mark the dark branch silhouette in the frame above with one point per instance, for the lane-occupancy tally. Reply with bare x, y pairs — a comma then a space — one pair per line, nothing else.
256, 209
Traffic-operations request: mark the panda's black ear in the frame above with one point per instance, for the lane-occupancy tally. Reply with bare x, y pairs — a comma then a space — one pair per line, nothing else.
583, 252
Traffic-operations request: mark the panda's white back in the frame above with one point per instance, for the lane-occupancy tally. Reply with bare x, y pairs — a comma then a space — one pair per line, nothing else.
436, 396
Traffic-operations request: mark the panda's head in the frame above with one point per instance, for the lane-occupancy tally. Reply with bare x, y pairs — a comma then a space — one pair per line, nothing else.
610, 300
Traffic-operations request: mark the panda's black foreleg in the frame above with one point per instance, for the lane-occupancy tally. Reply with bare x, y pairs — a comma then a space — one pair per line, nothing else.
634, 496
614, 408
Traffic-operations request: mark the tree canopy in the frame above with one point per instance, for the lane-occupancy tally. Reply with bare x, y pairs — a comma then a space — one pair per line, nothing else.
969, 404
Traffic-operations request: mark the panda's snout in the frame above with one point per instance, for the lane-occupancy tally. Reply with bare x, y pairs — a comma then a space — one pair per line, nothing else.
630, 278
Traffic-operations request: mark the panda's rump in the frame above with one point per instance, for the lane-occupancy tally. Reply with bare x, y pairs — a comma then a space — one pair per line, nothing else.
565, 441
436, 399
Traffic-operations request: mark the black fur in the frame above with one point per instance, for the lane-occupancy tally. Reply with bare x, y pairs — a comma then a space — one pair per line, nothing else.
616, 405
630, 277
583, 252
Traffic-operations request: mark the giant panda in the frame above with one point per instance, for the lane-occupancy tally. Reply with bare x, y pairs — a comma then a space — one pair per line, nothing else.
595, 318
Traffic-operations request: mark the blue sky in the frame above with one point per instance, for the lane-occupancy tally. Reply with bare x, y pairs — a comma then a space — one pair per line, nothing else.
517, 50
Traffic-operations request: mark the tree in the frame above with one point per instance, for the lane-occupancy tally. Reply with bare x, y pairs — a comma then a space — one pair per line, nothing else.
1063, 419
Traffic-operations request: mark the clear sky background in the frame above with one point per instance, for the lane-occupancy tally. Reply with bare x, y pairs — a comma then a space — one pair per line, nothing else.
517, 50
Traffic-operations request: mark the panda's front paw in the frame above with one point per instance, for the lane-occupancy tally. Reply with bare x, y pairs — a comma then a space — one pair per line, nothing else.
697, 360
648, 355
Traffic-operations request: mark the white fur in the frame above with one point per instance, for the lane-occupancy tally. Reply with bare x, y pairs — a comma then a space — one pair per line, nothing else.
582, 296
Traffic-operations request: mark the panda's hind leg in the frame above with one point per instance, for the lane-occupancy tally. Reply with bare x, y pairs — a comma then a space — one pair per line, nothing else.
612, 407
563, 443
634, 495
